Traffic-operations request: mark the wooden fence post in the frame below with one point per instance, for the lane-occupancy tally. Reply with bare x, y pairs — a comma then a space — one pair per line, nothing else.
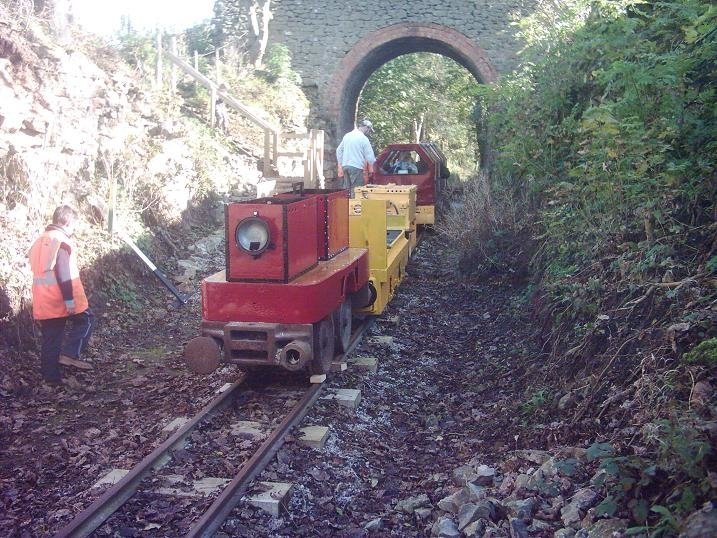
267, 153
196, 68
213, 107
309, 161
173, 48
158, 74
318, 143
217, 67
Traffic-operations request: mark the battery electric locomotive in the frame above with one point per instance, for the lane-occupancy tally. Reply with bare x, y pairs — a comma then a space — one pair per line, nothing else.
285, 297
300, 265
423, 165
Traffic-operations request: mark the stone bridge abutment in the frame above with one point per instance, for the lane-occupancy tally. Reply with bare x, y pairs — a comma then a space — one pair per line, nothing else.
336, 46
372, 51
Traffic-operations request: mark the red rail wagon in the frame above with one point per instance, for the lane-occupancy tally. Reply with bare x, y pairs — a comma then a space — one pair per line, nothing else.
423, 165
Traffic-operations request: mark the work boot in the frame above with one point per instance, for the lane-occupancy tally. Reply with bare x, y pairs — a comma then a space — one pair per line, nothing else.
69, 361
50, 386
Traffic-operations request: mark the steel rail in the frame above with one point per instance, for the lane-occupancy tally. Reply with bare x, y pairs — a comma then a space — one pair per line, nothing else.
216, 514
111, 500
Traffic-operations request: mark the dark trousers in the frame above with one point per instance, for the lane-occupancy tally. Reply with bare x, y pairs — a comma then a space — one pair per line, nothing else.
67, 336
353, 177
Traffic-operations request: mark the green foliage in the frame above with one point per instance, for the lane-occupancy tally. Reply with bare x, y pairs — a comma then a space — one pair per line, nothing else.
658, 493
608, 133
704, 353
200, 38
711, 265
429, 90
121, 289
137, 49
278, 64
535, 403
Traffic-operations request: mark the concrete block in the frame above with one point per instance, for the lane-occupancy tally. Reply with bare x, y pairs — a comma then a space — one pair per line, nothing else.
175, 424
380, 340
391, 320
314, 436
111, 478
177, 486
347, 397
274, 499
338, 366
247, 429
368, 364
317, 378
224, 388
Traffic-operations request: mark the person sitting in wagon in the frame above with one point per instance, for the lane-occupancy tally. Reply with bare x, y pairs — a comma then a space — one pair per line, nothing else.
404, 164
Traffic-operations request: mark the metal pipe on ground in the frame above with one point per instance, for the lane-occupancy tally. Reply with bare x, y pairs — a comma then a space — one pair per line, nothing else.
181, 297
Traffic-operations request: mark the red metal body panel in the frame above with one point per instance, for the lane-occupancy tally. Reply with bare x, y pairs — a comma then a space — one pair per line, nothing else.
337, 222
307, 299
425, 180
293, 245
333, 218
303, 232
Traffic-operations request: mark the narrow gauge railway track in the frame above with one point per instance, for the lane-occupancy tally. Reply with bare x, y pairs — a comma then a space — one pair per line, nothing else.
120, 493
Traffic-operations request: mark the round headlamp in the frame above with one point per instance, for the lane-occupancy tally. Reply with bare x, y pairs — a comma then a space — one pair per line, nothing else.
252, 235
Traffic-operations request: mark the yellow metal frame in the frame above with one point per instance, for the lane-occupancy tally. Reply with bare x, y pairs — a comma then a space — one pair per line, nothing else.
401, 209
368, 227
425, 214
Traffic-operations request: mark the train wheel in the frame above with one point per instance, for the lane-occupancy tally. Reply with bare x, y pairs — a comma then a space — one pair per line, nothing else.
342, 326
364, 297
202, 354
323, 347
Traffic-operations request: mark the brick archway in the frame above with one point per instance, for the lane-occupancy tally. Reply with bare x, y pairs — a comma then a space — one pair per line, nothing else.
385, 44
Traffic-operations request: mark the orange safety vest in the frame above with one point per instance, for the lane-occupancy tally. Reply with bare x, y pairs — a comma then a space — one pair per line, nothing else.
47, 301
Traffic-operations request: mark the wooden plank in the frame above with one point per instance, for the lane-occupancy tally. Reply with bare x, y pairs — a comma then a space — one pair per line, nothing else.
227, 98
173, 71
295, 136
158, 73
267, 152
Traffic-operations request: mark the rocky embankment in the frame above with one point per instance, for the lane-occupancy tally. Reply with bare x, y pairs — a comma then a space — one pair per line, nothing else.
73, 120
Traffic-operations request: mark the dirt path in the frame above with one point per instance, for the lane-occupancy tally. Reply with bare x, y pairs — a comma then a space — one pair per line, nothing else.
443, 395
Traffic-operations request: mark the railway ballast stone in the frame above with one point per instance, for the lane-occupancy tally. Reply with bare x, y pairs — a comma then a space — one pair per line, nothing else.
485, 476
475, 529
702, 523
411, 504
374, 525
518, 528
445, 527
607, 528
468, 513
582, 500
521, 508
454, 501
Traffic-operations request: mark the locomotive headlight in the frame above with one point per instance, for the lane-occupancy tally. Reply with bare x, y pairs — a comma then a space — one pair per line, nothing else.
252, 235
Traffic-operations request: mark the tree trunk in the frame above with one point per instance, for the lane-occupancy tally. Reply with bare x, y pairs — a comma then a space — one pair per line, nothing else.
418, 128
263, 33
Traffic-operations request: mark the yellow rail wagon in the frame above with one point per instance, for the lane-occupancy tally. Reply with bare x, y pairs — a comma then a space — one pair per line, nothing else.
381, 226
401, 210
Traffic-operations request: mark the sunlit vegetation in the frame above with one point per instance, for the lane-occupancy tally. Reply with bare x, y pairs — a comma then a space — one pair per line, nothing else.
609, 131
424, 97
602, 149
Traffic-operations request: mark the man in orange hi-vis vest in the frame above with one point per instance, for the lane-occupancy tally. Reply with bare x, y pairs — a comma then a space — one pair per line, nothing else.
58, 298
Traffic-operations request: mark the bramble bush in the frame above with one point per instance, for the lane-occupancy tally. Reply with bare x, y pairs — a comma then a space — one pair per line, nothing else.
610, 128
605, 141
